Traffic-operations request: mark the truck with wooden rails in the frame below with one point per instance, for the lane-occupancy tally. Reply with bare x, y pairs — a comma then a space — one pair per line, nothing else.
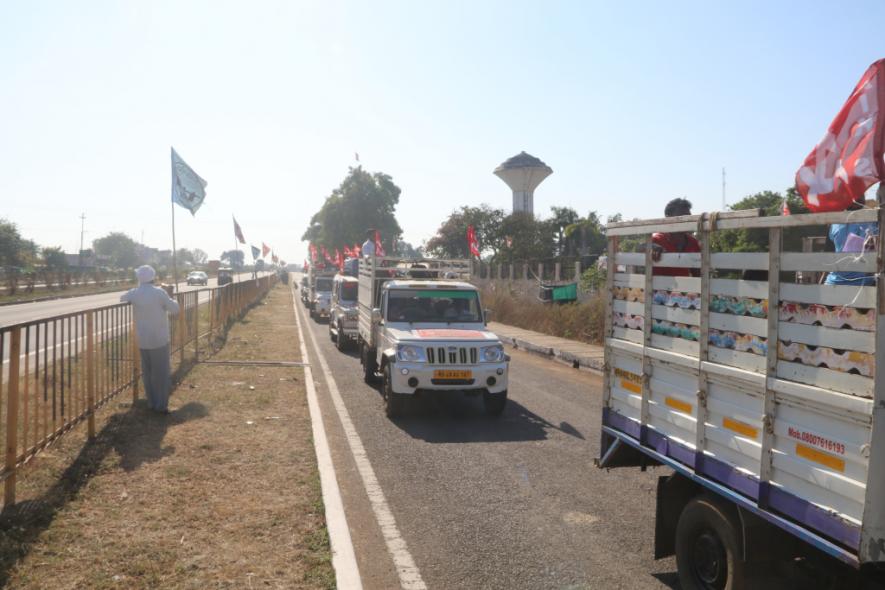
765, 397
422, 327
319, 282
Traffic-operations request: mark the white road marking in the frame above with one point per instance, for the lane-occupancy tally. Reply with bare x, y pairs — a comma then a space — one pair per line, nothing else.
409, 576
347, 573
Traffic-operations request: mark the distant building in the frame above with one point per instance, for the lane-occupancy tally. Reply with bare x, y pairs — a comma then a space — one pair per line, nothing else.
523, 173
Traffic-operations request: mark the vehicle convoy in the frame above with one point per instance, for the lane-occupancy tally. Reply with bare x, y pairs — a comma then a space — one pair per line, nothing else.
319, 280
305, 291
765, 397
422, 327
343, 316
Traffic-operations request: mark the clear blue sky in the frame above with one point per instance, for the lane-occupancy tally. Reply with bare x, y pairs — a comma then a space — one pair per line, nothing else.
631, 104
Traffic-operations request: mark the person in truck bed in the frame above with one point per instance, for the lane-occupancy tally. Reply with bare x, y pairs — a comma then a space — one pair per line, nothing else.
853, 238
675, 242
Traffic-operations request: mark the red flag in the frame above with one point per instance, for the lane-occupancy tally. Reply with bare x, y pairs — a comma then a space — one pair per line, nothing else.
848, 160
327, 256
347, 251
237, 231
305, 266
379, 249
274, 258
356, 250
339, 258
785, 210
472, 243
264, 249
313, 253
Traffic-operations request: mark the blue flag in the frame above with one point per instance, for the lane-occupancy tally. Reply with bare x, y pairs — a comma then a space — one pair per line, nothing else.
188, 189
255, 252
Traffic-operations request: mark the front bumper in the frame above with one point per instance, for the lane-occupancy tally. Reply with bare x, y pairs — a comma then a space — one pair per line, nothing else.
321, 308
423, 373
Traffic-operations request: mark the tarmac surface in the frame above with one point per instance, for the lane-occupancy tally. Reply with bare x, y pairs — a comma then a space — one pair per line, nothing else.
512, 502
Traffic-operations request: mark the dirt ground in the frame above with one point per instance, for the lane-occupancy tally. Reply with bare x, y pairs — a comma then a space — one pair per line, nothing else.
221, 493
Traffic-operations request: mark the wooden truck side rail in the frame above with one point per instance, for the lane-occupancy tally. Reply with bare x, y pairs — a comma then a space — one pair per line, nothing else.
766, 390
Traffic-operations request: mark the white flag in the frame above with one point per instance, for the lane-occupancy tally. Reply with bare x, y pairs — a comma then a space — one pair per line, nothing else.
188, 189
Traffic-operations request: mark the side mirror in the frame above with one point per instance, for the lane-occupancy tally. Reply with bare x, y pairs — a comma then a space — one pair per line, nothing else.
486, 315
376, 315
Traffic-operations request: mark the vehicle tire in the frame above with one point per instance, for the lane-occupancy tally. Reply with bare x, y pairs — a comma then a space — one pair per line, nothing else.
370, 365
708, 547
394, 403
332, 336
494, 402
340, 340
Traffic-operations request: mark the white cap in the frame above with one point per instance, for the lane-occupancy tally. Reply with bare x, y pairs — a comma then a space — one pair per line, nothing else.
145, 274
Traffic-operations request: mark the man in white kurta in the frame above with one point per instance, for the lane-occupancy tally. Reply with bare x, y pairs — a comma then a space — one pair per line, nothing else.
151, 306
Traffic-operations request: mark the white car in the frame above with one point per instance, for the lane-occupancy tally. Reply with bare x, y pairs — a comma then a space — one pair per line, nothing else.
343, 316
197, 277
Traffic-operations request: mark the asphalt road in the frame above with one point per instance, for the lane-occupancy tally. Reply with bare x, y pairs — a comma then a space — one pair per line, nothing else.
513, 502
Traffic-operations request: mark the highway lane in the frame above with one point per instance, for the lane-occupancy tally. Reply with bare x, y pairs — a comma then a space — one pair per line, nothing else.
513, 502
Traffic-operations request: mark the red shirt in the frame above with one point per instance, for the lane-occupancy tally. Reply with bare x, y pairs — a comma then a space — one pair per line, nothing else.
670, 246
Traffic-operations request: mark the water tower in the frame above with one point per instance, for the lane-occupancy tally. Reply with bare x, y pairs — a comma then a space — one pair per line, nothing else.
523, 173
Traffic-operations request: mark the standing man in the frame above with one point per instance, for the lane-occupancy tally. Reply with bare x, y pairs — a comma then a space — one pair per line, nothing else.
368, 247
151, 305
674, 242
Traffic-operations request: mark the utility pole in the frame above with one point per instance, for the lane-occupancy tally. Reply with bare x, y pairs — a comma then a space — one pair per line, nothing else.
82, 231
724, 206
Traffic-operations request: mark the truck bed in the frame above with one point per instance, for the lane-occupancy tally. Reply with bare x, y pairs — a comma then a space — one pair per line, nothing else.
786, 429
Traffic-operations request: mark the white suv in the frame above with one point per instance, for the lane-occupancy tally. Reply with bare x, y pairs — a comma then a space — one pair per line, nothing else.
343, 314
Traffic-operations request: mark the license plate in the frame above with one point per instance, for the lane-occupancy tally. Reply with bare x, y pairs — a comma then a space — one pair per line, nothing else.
452, 374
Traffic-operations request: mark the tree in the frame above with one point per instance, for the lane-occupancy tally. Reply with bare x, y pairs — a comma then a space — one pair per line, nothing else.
406, 250
199, 257
563, 217
54, 258
450, 240
756, 240
362, 201
10, 244
120, 248
525, 238
233, 257
585, 237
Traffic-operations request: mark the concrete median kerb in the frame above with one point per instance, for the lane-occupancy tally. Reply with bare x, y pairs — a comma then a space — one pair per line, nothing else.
571, 352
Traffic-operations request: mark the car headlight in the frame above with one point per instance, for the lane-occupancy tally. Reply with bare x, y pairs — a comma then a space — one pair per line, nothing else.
493, 354
410, 353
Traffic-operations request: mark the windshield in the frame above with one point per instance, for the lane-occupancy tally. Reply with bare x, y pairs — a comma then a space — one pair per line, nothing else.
324, 285
433, 305
348, 291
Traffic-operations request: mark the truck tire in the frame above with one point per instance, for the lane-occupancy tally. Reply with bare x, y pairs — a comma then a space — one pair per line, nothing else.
494, 402
370, 365
708, 547
332, 336
340, 340
394, 403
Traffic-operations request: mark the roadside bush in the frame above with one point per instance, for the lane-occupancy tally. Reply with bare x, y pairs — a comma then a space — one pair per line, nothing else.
582, 321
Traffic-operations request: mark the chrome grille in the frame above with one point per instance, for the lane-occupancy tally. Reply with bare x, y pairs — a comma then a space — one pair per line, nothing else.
452, 355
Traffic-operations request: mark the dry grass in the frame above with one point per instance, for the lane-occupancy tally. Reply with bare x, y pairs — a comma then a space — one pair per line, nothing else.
577, 321
221, 493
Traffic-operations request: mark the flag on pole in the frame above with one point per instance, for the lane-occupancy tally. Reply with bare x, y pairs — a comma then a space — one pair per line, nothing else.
379, 248
472, 243
188, 189
313, 253
237, 231
255, 252
357, 156
305, 266
356, 250
785, 210
339, 257
274, 258
848, 160
347, 251
327, 256
264, 249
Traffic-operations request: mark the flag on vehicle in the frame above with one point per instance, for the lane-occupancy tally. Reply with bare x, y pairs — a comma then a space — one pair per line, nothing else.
255, 252
327, 256
264, 249
305, 266
339, 258
379, 249
785, 210
347, 251
237, 231
472, 243
356, 250
188, 189
848, 160
274, 258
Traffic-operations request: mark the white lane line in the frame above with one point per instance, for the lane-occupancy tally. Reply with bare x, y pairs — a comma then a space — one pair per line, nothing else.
409, 576
347, 573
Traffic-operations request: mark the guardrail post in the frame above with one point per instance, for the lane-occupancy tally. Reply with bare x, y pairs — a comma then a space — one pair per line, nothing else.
136, 359
197, 327
577, 271
15, 344
557, 271
90, 374
182, 326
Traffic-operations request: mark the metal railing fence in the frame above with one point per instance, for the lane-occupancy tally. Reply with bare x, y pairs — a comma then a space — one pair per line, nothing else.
57, 371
